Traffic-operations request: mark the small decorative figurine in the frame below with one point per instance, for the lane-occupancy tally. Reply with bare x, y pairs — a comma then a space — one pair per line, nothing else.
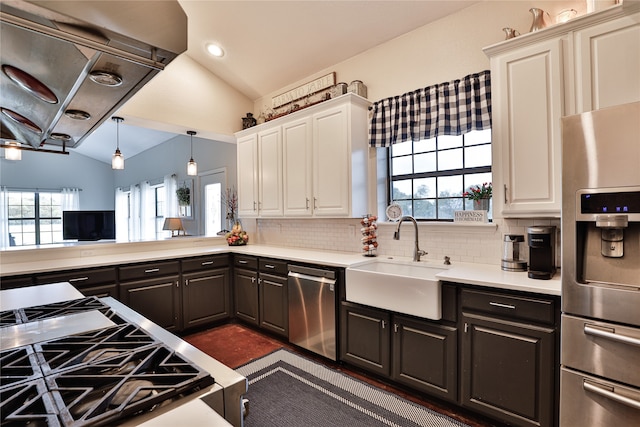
248, 121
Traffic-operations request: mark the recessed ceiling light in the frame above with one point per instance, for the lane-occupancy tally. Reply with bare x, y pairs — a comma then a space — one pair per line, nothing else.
215, 50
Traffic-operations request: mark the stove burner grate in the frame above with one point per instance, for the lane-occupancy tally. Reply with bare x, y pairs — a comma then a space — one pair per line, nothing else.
18, 365
28, 404
63, 308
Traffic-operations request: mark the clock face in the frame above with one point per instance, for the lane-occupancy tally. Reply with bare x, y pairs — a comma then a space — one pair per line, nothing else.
394, 212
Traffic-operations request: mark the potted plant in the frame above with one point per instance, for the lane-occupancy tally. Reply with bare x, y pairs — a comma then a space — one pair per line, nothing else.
184, 196
480, 194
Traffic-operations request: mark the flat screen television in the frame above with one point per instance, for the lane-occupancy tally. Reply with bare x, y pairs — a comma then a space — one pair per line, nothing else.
88, 225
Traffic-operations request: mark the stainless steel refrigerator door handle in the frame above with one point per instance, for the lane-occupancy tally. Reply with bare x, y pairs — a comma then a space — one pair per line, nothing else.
590, 330
598, 389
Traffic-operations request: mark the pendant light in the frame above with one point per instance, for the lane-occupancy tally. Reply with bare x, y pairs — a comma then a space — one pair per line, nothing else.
12, 151
117, 160
192, 167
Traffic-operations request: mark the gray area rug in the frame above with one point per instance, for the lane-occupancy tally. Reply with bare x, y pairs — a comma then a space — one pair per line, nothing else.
287, 390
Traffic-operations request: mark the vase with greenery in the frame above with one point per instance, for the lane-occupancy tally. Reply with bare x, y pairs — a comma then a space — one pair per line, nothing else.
230, 200
184, 196
480, 194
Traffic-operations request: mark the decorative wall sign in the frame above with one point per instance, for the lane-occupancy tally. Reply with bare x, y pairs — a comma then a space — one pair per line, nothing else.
306, 89
470, 216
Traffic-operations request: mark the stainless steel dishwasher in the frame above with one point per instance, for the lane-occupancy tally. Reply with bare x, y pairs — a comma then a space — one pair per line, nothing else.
312, 309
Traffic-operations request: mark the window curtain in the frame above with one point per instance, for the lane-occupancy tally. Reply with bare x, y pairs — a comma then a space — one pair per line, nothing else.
171, 200
122, 215
147, 211
70, 199
453, 108
4, 218
134, 216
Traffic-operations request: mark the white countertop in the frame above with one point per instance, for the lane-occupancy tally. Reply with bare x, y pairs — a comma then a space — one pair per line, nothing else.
88, 256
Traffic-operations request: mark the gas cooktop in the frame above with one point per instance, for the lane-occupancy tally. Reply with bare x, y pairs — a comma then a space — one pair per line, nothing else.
96, 377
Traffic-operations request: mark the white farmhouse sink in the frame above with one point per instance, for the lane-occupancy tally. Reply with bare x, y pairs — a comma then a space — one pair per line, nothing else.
407, 287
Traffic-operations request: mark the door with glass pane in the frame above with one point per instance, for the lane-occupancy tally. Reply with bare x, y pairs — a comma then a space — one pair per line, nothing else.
212, 186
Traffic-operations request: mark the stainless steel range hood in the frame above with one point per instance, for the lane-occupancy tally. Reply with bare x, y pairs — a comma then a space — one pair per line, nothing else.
67, 66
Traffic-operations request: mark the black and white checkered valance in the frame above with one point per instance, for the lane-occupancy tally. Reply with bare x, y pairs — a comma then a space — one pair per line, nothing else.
453, 108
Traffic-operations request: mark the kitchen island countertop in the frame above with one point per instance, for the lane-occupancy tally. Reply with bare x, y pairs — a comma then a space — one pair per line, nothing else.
33, 261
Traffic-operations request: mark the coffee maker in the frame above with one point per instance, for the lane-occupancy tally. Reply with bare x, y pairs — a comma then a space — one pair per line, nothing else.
542, 252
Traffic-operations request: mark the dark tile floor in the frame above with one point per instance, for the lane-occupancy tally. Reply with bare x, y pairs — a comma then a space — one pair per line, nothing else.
235, 344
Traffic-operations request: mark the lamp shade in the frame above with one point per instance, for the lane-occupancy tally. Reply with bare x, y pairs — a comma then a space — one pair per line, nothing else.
173, 224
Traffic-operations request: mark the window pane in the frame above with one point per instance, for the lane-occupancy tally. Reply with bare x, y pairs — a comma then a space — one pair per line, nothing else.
425, 209
425, 145
407, 208
477, 137
447, 141
402, 189
425, 162
450, 159
450, 186
476, 179
479, 155
424, 187
401, 148
402, 165
45, 211
446, 207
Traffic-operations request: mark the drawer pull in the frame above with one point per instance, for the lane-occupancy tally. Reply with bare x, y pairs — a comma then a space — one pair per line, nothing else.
207, 263
609, 393
611, 335
269, 266
152, 270
501, 305
78, 279
241, 261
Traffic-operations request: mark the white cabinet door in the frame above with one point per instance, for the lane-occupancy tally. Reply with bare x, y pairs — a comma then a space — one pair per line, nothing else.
270, 172
297, 153
247, 151
331, 162
528, 93
608, 64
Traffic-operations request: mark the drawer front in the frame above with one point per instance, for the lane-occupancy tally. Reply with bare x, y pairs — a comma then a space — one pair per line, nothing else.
513, 306
248, 262
605, 349
80, 278
149, 270
273, 266
205, 263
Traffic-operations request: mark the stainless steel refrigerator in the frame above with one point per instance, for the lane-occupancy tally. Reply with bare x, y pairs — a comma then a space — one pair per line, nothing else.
600, 339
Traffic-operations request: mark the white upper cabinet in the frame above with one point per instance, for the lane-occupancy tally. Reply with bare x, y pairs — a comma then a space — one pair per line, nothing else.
247, 152
311, 163
588, 63
608, 64
527, 93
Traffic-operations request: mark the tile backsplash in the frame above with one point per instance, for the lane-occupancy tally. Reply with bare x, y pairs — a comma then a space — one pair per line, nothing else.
478, 244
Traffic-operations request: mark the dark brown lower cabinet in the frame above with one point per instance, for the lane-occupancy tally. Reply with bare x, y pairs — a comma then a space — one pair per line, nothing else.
365, 340
425, 356
99, 282
245, 289
205, 297
509, 367
274, 304
156, 299
418, 353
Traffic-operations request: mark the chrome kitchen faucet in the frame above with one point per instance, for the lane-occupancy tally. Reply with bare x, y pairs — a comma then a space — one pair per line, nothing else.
396, 236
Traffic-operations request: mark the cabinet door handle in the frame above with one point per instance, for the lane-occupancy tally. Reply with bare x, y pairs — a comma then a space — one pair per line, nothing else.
505, 194
207, 263
609, 392
269, 266
152, 270
315, 200
259, 280
78, 279
307, 202
253, 280
466, 327
383, 324
395, 328
177, 283
186, 282
241, 261
254, 205
499, 304
611, 335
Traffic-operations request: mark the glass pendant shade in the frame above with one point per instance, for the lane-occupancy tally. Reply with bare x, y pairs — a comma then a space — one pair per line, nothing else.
13, 153
192, 166
117, 160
